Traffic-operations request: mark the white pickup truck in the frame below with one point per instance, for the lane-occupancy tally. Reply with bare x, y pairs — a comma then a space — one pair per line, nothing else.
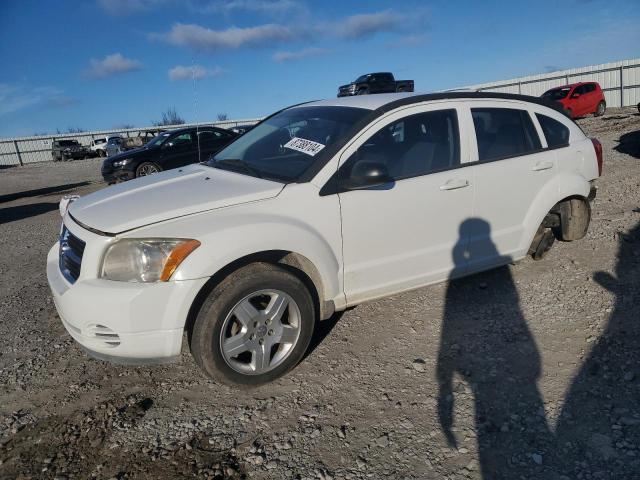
320, 207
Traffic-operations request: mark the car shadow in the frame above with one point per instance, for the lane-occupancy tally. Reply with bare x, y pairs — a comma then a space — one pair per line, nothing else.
20, 212
322, 330
629, 143
485, 340
41, 191
600, 419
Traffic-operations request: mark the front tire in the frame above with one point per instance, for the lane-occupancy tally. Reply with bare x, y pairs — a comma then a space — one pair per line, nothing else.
602, 107
253, 327
147, 168
102, 153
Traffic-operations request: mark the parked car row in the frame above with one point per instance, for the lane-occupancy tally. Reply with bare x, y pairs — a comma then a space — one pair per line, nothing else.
99, 145
167, 150
115, 144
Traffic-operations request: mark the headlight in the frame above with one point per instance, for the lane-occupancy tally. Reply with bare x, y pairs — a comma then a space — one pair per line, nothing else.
145, 260
122, 163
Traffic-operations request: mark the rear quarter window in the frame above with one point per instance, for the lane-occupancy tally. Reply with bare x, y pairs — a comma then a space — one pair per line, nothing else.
555, 132
504, 133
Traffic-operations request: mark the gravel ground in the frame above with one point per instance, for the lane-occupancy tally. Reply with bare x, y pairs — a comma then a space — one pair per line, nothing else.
528, 371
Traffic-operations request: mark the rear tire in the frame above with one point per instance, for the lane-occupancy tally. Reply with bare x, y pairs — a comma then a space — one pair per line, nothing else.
575, 217
102, 153
253, 327
602, 107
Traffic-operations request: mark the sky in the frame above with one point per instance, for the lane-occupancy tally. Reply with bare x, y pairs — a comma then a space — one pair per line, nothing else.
101, 64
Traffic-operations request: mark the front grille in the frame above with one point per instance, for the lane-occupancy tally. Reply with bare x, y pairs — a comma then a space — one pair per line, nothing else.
71, 250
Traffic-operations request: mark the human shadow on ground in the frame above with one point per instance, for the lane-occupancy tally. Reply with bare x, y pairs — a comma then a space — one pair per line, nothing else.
485, 340
599, 425
20, 212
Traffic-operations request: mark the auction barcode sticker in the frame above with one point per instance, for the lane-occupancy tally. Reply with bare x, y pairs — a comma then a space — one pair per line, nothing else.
304, 146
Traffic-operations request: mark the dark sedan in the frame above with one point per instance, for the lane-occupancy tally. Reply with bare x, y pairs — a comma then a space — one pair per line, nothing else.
167, 150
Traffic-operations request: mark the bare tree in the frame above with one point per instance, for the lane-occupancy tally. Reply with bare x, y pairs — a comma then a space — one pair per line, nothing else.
170, 117
222, 117
71, 130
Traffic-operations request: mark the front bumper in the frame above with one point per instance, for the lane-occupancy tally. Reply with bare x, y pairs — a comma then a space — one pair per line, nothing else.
115, 176
123, 322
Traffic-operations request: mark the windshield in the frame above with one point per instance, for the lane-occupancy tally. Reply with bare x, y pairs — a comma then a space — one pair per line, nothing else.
362, 78
158, 139
284, 146
68, 143
556, 93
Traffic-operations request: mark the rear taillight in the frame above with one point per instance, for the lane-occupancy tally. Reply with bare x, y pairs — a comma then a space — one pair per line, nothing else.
597, 146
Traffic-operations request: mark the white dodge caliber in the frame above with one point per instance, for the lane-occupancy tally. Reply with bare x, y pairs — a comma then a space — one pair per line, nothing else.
320, 207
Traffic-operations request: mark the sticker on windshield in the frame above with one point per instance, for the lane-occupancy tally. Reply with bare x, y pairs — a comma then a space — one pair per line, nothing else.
304, 146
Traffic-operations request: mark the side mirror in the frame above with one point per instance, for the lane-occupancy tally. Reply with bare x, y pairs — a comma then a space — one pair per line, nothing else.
366, 174
575, 95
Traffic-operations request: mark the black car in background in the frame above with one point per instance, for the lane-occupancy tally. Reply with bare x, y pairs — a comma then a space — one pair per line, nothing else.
172, 149
379, 82
63, 150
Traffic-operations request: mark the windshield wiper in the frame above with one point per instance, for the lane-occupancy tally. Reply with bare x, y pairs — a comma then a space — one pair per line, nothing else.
236, 162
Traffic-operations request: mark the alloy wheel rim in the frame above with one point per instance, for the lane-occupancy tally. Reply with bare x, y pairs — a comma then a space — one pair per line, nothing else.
148, 170
260, 332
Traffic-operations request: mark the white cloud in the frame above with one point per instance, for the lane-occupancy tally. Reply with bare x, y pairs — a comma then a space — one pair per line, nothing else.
229, 6
197, 72
354, 27
298, 55
16, 97
126, 7
207, 40
368, 24
112, 64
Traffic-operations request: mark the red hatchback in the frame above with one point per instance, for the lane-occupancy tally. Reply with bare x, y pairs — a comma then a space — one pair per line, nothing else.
579, 99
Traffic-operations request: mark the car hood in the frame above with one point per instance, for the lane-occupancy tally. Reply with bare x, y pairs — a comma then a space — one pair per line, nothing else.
128, 154
166, 195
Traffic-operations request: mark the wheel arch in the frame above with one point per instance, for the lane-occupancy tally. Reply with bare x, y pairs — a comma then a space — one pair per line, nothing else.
564, 187
298, 264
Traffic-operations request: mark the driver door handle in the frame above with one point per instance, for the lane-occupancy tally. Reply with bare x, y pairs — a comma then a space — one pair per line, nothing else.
455, 184
542, 166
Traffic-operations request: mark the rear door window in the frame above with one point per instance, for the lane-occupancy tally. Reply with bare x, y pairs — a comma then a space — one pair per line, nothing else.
504, 133
555, 132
